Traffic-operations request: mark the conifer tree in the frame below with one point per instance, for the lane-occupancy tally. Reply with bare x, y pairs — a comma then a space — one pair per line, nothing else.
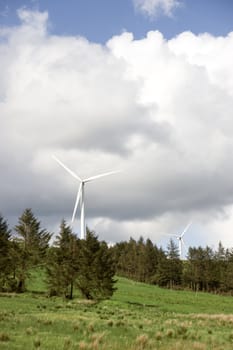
195, 268
62, 264
209, 271
220, 263
105, 272
5, 259
141, 261
228, 272
152, 255
118, 252
96, 272
32, 243
131, 259
137, 260
170, 268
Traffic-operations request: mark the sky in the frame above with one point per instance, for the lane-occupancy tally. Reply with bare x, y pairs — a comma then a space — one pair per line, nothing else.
141, 86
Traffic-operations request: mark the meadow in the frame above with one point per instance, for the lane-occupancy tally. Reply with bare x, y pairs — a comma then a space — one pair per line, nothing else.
138, 316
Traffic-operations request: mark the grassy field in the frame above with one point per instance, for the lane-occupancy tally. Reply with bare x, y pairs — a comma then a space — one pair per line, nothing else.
138, 316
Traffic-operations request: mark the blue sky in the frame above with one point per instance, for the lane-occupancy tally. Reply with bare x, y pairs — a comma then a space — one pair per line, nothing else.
99, 20
156, 105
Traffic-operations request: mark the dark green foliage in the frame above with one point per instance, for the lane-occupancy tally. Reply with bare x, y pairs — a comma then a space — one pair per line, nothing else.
200, 269
33, 240
169, 272
5, 256
227, 272
90, 265
96, 270
137, 260
62, 264
87, 264
204, 270
152, 258
209, 271
30, 246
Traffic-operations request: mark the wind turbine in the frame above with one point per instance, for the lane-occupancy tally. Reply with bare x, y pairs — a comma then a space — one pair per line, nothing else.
180, 239
80, 194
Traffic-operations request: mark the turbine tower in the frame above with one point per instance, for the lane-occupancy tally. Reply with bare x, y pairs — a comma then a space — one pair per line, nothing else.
180, 240
80, 195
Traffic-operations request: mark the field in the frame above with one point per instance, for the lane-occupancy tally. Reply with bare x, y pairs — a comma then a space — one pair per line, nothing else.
138, 316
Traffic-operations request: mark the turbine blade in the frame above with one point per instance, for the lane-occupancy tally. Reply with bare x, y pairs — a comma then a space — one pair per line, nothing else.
66, 168
101, 175
186, 228
76, 203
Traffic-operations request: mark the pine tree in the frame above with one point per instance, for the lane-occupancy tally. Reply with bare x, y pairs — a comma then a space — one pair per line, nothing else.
200, 271
228, 273
62, 264
118, 252
95, 278
33, 243
105, 272
170, 268
5, 259
220, 262
194, 268
137, 260
131, 259
209, 272
152, 255
140, 274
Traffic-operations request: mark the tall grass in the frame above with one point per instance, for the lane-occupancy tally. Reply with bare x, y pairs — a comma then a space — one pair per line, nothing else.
138, 316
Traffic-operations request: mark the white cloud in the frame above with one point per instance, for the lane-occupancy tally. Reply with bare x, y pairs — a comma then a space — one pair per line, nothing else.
152, 8
159, 110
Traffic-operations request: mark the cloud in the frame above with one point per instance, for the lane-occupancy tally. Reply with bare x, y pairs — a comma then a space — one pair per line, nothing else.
160, 110
153, 8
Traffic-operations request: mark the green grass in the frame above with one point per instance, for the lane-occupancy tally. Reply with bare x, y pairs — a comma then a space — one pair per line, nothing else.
167, 300
138, 316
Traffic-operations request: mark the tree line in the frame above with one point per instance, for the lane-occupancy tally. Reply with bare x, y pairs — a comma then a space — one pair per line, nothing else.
205, 269
69, 262
90, 265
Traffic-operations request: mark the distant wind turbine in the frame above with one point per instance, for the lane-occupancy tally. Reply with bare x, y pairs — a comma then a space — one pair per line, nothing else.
180, 240
80, 194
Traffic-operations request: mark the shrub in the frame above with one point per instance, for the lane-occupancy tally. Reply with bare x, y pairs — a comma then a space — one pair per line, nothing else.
37, 343
90, 328
158, 336
29, 331
4, 337
170, 333
110, 323
67, 343
76, 326
142, 341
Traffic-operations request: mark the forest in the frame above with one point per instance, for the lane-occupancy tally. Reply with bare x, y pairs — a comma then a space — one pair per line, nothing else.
91, 266
204, 269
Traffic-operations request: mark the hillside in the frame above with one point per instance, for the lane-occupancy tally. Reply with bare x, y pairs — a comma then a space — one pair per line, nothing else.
138, 316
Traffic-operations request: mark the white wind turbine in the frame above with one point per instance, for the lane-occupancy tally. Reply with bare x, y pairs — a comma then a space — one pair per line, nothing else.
80, 195
180, 240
